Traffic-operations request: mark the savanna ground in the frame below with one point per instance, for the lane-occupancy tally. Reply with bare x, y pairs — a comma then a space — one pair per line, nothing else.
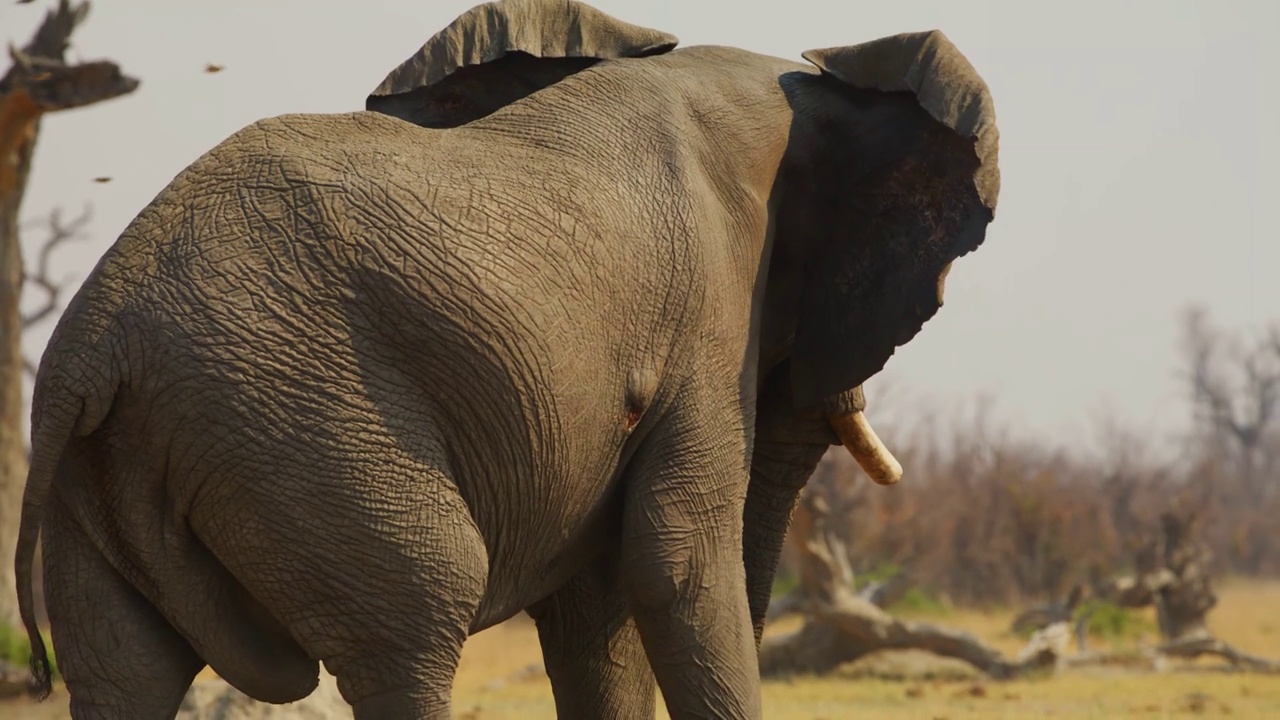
500, 676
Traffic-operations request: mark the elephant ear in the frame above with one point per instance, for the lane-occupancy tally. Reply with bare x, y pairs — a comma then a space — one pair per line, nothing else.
499, 52
925, 189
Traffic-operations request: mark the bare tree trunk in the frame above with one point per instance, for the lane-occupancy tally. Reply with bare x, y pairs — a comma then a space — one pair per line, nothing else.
1173, 576
13, 458
39, 82
18, 127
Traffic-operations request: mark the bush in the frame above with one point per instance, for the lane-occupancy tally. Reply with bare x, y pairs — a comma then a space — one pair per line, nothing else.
783, 583
989, 521
919, 602
1111, 622
880, 573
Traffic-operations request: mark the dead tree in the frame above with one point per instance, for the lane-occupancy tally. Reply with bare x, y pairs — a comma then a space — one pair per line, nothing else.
1236, 405
40, 81
39, 275
841, 626
1054, 613
1172, 575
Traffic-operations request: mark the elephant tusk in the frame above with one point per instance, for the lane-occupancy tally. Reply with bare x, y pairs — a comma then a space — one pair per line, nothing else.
865, 446
941, 290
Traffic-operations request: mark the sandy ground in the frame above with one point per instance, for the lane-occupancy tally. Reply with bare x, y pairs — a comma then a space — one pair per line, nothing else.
500, 678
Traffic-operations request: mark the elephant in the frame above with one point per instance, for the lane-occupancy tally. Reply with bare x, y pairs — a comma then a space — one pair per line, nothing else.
560, 322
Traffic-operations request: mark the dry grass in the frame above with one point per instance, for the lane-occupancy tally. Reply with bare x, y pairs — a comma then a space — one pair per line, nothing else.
500, 678
1247, 616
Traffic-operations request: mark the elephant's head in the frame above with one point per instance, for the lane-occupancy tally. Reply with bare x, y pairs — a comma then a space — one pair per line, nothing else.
891, 174
499, 52
917, 194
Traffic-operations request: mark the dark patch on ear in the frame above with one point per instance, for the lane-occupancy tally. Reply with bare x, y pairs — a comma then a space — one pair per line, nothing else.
942, 80
499, 52
475, 91
922, 186
871, 275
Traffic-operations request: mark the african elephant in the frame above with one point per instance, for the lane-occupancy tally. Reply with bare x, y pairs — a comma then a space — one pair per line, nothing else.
561, 321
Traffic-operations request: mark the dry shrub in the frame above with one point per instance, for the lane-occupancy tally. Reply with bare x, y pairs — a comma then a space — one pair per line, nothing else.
984, 519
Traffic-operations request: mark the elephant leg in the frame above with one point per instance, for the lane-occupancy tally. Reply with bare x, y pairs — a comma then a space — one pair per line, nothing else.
682, 560
592, 650
375, 569
120, 659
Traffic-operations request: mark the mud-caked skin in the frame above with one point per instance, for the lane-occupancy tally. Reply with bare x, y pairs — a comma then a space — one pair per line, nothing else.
549, 334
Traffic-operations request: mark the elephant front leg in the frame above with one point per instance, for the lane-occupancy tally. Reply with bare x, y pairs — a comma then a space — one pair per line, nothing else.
592, 650
682, 563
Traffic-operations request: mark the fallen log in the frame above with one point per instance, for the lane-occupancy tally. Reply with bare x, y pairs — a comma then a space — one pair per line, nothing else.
851, 627
841, 626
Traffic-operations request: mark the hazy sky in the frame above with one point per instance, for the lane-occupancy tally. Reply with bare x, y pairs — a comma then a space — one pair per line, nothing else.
1138, 151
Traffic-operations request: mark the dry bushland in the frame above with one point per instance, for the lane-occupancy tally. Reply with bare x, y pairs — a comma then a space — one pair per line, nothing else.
984, 519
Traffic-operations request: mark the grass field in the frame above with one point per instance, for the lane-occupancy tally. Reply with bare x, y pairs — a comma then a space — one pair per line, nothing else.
500, 678
1248, 616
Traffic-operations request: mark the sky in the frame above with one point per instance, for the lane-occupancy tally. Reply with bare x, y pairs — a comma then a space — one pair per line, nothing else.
1138, 154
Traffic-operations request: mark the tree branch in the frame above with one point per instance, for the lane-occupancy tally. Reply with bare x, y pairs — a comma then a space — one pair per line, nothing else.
40, 81
59, 233
1236, 405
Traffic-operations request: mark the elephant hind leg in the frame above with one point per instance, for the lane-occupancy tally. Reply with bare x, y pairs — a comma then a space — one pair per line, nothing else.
118, 655
376, 568
241, 642
592, 651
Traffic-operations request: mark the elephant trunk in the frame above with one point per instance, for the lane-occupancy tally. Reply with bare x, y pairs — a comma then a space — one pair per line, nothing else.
779, 472
788, 447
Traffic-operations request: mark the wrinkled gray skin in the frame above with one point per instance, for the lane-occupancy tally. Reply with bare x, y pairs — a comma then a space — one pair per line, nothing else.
539, 333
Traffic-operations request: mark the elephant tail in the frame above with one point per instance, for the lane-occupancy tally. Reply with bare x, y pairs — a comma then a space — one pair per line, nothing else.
63, 408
